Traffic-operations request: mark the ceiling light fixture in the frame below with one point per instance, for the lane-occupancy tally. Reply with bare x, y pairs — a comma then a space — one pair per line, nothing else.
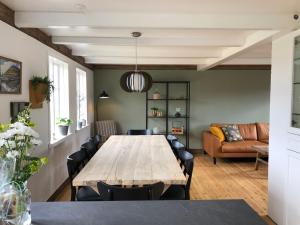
136, 81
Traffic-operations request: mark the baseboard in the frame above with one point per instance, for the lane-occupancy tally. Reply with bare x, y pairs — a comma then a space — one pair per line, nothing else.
54, 196
195, 151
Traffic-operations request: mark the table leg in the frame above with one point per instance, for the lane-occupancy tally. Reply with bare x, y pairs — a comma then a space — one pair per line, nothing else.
257, 161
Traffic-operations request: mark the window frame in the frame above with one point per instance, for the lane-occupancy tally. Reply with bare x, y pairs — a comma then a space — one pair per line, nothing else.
81, 74
59, 97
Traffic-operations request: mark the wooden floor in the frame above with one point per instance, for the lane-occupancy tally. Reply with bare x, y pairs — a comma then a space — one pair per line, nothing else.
229, 179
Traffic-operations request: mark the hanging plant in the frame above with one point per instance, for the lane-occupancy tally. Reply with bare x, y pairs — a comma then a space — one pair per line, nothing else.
40, 90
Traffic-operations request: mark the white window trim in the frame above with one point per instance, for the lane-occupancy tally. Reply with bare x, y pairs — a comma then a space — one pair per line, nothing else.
56, 140
80, 72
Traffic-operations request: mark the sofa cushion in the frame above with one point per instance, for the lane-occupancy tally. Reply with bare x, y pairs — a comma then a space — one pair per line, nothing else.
240, 146
217, 131
265, 141
232, 133
262, 131
248, 131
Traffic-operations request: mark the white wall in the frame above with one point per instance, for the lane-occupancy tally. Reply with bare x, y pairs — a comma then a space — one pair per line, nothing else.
34, 56
280, 120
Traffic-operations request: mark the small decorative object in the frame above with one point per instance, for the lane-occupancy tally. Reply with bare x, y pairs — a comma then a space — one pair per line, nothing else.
83, 122
178, 114
63, 125
79, 124
17, 140
40, 89
156, 95
10, 76
154, 111
159, 114
177, 127
155, 130
136, 81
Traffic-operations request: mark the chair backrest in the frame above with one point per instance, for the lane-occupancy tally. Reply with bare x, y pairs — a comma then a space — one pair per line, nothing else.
96, 140
187, 161
177, 147
117, 193
139, 132
171, 138
75, 162
106, 128
90, 148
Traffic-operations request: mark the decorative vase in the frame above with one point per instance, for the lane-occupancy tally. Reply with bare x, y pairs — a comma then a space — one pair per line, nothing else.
63, 130
156, 95
79, 125
154, 113
15, 199
178, 114
155, 130
37, 95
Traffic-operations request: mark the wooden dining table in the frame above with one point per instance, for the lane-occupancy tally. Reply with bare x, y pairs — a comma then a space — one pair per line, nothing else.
132, 160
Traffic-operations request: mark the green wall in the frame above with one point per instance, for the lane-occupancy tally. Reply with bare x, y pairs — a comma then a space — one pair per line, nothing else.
216, 96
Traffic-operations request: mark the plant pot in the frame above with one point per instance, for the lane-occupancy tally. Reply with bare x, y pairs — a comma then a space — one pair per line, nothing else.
63, 130
79, 125
37, 94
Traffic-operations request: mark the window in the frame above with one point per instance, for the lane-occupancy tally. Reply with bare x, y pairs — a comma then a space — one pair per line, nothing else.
59, 104
81, 98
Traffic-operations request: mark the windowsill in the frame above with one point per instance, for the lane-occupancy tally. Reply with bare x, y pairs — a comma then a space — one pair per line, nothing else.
58, 141
82, 128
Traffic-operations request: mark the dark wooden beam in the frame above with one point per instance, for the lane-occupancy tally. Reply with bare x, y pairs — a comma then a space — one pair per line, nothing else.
242, 67
7, 15
144, 67
180, 67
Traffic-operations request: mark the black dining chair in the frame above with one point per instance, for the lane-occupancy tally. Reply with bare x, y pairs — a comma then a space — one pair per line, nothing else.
171, 138
177, 147
96, 140
182, 192
118, 193
139, 132
90, 148
75, 162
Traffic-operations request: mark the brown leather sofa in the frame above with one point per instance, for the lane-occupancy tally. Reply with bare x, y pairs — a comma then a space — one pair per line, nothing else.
253, 134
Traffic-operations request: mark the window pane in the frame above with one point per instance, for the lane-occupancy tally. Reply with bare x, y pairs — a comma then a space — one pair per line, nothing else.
81, 97
59, 104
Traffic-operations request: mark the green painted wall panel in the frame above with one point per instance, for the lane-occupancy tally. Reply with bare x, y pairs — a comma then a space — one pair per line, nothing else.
216, 96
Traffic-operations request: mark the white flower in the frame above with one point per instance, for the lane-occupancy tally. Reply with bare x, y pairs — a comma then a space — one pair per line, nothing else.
11, 144
12, 154
30, 132
2, 142
36, 141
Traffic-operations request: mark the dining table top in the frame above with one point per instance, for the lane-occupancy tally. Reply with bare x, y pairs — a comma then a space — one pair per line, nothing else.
132, 160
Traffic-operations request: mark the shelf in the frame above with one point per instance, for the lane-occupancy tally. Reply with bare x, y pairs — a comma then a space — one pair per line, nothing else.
170, 117
170, 99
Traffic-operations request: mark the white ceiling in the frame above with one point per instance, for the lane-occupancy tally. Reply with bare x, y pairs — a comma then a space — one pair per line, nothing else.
191, 32
165, 6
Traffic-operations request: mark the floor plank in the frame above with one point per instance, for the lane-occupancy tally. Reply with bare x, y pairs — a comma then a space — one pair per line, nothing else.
229, 179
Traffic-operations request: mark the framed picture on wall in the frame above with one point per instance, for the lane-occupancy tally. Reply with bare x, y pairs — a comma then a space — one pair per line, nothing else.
10, 76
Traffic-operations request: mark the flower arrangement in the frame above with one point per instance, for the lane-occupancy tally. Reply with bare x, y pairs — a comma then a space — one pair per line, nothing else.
17, 140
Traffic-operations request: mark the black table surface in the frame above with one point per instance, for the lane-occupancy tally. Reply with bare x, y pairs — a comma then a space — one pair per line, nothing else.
219, 212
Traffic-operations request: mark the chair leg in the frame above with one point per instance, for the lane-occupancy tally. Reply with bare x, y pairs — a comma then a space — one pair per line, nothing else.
215, 160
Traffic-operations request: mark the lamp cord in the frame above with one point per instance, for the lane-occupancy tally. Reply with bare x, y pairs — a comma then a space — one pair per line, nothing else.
136, 54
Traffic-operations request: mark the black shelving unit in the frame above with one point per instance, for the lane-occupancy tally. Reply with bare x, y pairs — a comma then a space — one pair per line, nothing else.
168, 100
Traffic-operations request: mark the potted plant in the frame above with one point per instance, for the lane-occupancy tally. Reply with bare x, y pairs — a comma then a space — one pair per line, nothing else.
17, 144
40, 89
63, 125
154, 111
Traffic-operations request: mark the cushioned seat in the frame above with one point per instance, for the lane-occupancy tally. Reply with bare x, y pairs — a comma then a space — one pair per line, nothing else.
240, 146
174, 192
87, 194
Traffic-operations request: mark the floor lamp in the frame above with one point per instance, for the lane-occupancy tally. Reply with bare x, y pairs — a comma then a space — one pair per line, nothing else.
103, 95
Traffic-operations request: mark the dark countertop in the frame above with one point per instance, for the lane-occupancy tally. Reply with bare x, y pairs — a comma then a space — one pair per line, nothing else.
216, 212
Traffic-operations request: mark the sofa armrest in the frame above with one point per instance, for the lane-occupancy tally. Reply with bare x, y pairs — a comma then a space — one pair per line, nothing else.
211, 144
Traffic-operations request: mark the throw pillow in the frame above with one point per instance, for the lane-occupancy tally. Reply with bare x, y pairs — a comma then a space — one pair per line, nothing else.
232, 133
217, 131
